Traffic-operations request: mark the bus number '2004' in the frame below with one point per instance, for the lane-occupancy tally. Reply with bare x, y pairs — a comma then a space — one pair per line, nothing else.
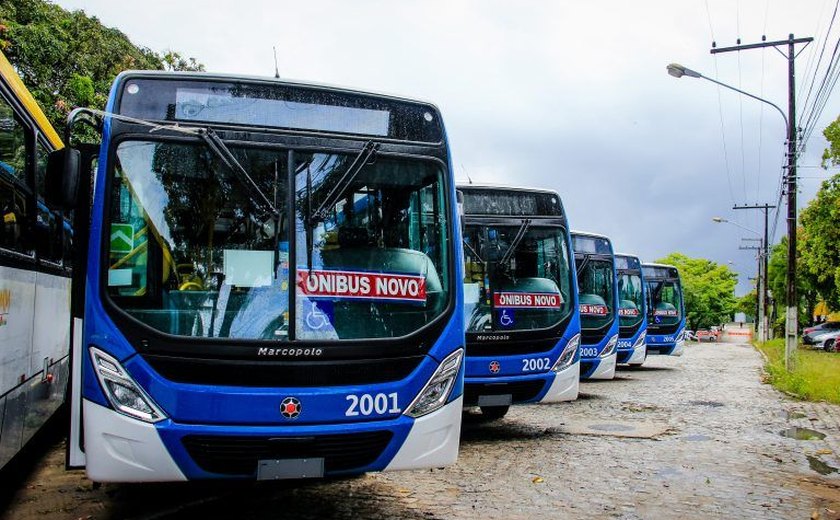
529, 365
367, 404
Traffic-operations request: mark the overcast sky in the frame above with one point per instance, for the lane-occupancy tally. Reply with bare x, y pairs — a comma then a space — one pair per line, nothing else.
572, 96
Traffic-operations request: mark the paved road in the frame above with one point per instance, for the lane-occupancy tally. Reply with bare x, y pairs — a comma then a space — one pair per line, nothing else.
691, 437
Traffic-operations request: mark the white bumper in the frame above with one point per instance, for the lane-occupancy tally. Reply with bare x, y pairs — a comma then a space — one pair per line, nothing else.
679, 348
565, 386
121, 449
638, 356
432, 441
606, 369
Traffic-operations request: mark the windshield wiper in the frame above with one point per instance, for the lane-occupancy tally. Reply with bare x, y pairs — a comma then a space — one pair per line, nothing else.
477, 256
583, 265
218, 147
365, 156
520, 234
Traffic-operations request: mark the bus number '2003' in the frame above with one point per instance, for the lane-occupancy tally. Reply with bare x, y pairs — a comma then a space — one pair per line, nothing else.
367, 404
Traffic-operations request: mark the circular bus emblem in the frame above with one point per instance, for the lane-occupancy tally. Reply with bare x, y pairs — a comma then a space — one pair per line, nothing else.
495, 367
290, 408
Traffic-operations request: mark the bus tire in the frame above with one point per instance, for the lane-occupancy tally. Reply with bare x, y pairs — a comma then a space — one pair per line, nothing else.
492, 413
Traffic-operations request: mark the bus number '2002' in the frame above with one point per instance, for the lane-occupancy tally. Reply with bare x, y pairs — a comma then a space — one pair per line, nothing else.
367, 404
529, 365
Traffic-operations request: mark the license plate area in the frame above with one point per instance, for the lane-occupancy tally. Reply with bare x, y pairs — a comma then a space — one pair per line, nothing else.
278, 469
495, 400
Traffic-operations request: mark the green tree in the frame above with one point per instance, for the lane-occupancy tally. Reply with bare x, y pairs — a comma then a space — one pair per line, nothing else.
831, 155
709, 290
819, 242
748, 304
777, 282
69, 59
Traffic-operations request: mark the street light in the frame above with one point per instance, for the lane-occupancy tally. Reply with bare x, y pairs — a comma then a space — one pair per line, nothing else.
676, 70
721, 220
763, 330
792, 312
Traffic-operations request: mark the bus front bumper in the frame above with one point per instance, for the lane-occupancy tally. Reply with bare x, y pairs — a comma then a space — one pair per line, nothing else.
122, 449
667, 349
598, 368
632, 356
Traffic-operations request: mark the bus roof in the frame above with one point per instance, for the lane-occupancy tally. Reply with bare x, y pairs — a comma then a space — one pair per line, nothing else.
11, 78
216, 76
628, 255
588, 234
489, 186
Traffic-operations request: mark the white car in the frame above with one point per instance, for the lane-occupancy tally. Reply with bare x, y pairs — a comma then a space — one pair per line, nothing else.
827, 341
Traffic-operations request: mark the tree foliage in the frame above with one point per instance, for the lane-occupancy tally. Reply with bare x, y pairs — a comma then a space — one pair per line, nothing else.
709, 290
831, 155
777, 282
820, 242
69, 59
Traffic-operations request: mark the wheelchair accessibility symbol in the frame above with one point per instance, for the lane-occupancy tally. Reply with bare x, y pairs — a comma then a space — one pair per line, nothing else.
506, 318
316, 319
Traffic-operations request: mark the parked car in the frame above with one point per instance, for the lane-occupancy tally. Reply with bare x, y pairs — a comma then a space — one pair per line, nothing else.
707, 335
827, 340
809, 334
689, 335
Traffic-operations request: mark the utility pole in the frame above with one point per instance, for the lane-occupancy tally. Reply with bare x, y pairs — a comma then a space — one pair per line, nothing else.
759, 285
764, 279
791, 327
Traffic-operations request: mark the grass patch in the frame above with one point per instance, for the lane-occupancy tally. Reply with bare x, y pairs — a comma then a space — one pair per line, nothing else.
816, 376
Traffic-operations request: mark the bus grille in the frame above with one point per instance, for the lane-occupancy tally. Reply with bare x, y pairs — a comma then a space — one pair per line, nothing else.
663, 329
509, 348
520, 391
272, 374
593, 337
228, 455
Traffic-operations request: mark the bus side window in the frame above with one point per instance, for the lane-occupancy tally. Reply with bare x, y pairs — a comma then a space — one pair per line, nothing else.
13, 192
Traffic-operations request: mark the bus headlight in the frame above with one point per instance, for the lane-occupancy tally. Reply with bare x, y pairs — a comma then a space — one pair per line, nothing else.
640, 341
568, 354
124, 394
610, 348
437, 390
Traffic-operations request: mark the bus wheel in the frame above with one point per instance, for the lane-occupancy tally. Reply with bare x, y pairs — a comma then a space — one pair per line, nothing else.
491, 413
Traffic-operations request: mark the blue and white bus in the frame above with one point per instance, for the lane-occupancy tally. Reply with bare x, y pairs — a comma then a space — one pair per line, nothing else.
520, 302
598, 300
632, 311
666, 310
35, 270
271, 283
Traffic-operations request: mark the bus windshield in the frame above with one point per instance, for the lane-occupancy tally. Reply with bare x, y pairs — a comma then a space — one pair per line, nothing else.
199, 249
631, 303
595, 288
517, 277
665, 301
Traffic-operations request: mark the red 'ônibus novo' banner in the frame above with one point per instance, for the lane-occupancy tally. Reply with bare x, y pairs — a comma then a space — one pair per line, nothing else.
527, 300
628, 312
319, 283
594, 309
666, 312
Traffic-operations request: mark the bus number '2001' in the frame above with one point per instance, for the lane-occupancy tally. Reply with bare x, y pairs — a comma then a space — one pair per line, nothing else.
367, 404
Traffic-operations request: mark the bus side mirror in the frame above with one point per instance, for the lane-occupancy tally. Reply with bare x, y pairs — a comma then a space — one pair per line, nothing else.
63, 175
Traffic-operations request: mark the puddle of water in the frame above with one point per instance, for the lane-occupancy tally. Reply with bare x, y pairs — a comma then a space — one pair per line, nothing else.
697, 437
802, 434
819, 466
711, 404
668, 472
612, 427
